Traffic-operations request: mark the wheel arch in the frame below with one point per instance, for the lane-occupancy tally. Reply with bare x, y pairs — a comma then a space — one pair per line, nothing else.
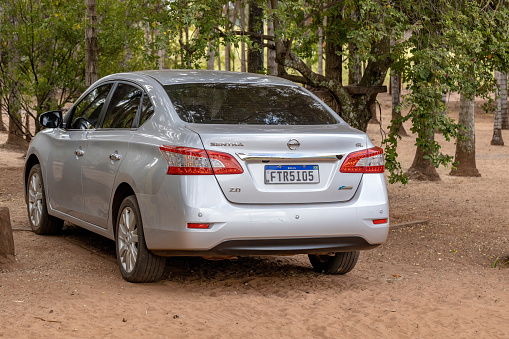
29, 163
123, 191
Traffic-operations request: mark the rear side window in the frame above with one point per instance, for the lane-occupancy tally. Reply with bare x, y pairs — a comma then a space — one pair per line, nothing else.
247, 104
147, 109
123, 107
87, 111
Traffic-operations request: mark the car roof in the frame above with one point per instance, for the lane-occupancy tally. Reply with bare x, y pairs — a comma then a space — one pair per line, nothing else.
179, 76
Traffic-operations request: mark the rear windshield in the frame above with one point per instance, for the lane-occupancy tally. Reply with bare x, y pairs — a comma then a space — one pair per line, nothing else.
247, 104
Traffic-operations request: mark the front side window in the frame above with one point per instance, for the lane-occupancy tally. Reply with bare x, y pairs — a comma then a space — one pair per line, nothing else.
87, 112
250, 104
123, 107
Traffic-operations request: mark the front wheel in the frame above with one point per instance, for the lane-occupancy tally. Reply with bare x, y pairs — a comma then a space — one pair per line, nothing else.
40, 221
136, 262
339, 263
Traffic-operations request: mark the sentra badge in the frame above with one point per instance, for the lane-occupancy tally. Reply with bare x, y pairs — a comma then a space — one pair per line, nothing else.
226, 144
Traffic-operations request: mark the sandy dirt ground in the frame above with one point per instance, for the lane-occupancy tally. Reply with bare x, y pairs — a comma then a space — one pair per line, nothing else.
431, 279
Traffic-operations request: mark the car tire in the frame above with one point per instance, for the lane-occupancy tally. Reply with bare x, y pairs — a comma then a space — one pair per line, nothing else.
339, 263
40, 221
136, 262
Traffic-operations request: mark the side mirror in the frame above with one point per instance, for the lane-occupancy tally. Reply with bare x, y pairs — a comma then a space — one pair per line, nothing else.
51, 119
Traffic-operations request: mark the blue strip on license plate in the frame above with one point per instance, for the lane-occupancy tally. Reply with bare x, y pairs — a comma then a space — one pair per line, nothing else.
292, 174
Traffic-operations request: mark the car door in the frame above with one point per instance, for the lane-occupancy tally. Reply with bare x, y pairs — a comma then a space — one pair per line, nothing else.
106, 149
69, 147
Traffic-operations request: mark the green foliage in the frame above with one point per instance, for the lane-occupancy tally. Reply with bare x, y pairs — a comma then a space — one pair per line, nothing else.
121, 36
456, 50
40, 53
42, 49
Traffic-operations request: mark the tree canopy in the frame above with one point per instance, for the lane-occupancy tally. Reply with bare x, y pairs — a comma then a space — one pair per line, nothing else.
436, 46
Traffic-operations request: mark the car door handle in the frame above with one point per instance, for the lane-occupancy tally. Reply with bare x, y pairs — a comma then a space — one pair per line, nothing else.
79, 152
115, 156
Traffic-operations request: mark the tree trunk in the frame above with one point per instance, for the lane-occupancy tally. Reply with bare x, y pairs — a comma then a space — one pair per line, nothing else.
227, 45
271, 53
218, 58
243, 63
91, 50
355, 69
333, 58
355, 66
422, 169
255, 25
497, 128
28, 135
503, 100
320, 48
333, 55
211, 57
2, 124
15, 135
465, 148
396, 101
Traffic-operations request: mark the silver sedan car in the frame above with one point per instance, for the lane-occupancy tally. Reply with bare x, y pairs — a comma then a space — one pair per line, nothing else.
208, 163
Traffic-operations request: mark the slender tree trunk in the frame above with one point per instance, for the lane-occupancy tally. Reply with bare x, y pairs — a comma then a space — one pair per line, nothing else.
15, 131
503, 100
243, 63
333, 57
320, 47
465, 148
355, 69
218, 58
396, 101
181, 50
255, 25
271, 53
211, 57
28, 135
227, 45
497, 128
2, 125
91, 50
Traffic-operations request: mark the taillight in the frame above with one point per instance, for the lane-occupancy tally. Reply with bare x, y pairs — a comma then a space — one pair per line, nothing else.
193, 161
199, 226
365, 161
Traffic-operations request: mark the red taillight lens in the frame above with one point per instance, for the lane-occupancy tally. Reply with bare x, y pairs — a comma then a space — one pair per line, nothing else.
379, 221
223, 163
199, 226
365, 161
193, 161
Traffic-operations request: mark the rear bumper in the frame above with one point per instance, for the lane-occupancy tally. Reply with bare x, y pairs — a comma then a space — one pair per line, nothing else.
281, 246
244, 229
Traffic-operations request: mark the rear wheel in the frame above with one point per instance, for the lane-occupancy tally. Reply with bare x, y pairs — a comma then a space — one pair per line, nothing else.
136, 262
40, 221
339, 263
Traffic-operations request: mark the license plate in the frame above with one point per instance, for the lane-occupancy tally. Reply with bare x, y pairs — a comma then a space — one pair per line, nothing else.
292, 174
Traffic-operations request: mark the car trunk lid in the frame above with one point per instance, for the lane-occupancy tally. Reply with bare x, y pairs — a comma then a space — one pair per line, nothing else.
285, 164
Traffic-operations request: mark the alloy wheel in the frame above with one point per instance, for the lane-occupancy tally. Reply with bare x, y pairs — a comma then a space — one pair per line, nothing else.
35, 199
128, 240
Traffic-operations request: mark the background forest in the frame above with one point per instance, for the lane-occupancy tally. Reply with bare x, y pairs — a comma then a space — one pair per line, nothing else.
345, 51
